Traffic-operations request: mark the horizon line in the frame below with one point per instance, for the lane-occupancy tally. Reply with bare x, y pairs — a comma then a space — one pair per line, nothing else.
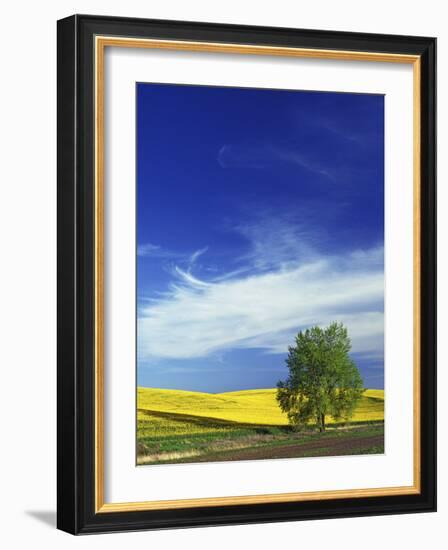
220, 392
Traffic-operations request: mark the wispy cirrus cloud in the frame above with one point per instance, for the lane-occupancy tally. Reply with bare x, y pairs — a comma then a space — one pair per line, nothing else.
280, 286
197, 254
357, 134
150, 250
258, 154
276, 242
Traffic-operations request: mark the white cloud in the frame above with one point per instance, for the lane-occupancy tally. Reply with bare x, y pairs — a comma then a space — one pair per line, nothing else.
265, 310
148, 249
188, 278
197, 254
276, 243
259, 154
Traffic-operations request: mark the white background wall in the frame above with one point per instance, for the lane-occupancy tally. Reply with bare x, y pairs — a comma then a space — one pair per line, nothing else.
28, 271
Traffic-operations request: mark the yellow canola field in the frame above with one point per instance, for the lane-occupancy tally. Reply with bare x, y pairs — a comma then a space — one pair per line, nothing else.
257, 407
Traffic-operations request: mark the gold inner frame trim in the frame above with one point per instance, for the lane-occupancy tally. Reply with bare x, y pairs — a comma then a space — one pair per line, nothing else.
101, 42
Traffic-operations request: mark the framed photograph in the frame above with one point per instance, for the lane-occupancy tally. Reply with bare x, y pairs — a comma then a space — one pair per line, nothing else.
246, 274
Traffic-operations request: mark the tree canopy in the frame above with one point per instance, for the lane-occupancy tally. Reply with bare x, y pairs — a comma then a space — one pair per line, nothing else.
323, 380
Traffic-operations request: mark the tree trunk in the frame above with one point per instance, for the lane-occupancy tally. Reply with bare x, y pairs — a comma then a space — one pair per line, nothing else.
322, 423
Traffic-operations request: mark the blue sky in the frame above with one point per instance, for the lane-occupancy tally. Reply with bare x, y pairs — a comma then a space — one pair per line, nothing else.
259, 213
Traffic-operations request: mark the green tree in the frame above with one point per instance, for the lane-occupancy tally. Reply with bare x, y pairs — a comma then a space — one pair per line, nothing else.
323, 380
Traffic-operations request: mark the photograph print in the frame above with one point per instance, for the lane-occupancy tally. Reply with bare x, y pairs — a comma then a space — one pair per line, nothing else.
260, 274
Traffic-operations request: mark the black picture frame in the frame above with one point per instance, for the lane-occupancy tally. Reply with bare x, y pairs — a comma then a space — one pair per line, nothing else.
76, 286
